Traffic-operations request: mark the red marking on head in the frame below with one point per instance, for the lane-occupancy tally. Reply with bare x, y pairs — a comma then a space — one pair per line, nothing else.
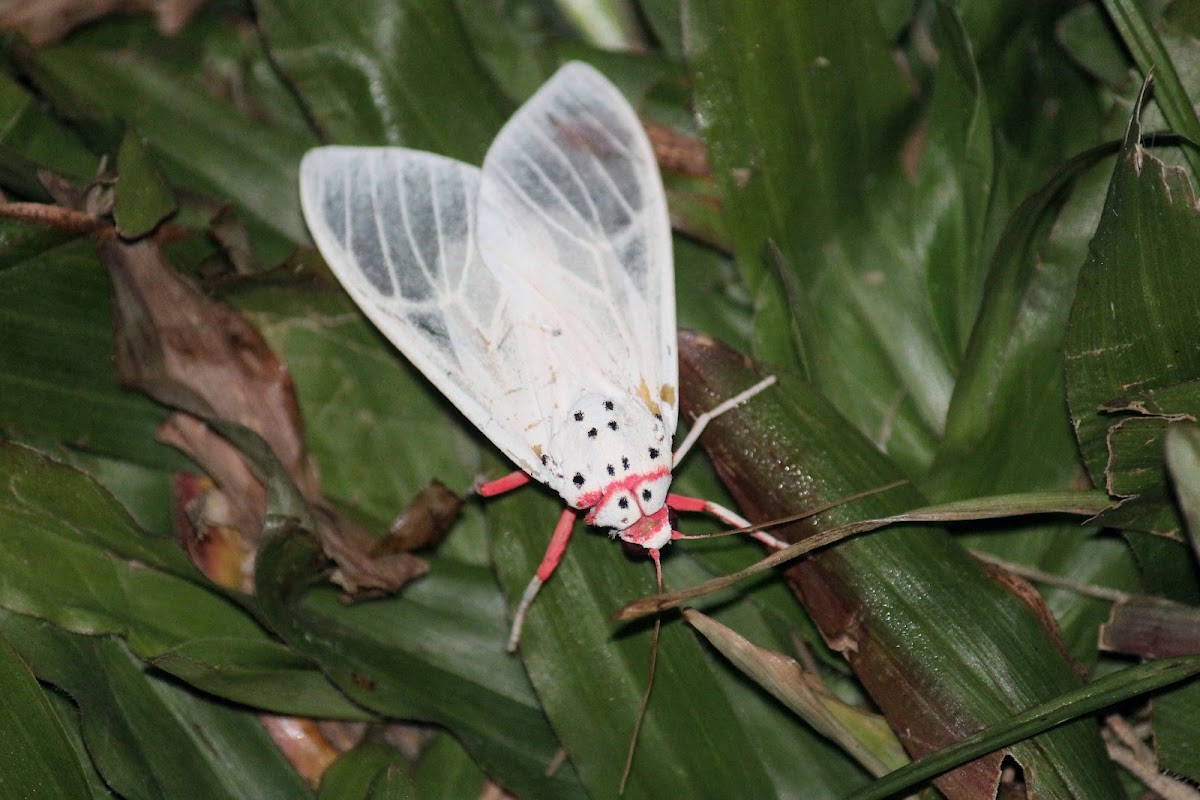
629, 483
646, 528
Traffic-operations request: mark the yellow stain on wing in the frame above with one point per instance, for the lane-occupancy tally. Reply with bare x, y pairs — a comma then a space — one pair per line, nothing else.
667, 394
643, 393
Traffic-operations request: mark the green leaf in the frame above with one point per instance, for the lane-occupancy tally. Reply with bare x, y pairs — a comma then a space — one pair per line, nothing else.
148, 736
143, 200
766, 76
446, 772
29, 136
1132, 326
583, 671
435, 654
887, 597
36, 760
375, 426
1176, 720
864, 735
879, 271
94, 572
201, 142
1016, 344
370, 770
1090, 40
353, 65
57, 356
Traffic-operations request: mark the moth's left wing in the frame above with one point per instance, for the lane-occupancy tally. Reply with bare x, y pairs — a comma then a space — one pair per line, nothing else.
397, 227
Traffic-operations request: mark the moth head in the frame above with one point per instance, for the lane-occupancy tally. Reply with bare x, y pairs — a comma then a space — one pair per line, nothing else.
652, 531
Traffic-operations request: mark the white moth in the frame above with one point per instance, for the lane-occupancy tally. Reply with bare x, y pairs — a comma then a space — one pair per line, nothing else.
537, 294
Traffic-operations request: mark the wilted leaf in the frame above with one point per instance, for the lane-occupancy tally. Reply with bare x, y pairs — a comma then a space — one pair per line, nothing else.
864, 735
1150, 627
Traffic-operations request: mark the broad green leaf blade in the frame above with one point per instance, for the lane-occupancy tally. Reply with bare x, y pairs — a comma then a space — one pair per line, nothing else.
148, 736
354, 65
1176, 720
30, 137
1089, 39
68, 717
200, 142
702, 736
878, 271
371, 770
257, 673
377, 429
888, 597
73, 557
1017, 344
36, 759
57, 355
766, 76
1132, 323
446, 772
436, 654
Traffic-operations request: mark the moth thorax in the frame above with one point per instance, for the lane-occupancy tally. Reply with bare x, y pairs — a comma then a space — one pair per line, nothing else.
613, 457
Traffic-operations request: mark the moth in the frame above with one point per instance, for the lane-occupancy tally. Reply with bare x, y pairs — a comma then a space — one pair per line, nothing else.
536, 293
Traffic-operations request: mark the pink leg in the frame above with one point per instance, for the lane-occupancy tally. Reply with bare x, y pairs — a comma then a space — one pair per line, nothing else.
554, 554
683, 503
500, 485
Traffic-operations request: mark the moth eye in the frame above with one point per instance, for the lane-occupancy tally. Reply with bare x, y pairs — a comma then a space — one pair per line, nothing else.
612, 424
578, 479
608, 406
611, 471
579, 416
592, 433
623, 502
654, 452
625, 463
646, 495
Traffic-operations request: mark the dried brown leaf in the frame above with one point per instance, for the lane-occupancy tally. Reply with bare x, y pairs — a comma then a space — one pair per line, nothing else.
45, 22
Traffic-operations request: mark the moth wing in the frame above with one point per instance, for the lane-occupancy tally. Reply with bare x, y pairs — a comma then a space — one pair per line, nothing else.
397, 227
571, 201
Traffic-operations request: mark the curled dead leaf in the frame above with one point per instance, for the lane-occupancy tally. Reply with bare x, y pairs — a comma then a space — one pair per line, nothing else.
424, 522
194, 354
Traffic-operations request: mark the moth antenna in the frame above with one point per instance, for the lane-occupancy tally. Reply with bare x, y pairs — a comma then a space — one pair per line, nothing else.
681, 503
708, 416
641, 713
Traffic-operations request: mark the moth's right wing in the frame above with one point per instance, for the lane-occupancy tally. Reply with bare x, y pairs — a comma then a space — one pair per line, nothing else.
397, 227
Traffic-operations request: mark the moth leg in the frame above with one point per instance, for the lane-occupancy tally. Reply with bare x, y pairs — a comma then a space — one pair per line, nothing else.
708, 416
681, 502
554, 554
509, 482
